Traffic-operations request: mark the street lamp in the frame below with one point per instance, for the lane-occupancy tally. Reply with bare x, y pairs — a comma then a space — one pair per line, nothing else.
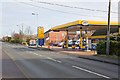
36, 17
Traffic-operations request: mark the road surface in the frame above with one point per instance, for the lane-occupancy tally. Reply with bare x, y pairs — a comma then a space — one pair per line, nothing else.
22, 62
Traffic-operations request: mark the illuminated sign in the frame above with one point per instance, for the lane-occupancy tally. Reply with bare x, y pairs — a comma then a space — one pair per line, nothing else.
85, 23
40, 32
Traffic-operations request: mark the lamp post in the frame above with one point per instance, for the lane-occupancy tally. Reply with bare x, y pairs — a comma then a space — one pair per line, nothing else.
36, 14
36, 17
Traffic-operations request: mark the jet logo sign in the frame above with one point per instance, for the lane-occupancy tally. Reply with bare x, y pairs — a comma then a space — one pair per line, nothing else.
40, 32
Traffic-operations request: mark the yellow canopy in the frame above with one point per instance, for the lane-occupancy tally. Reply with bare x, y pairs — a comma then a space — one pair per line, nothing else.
92, 25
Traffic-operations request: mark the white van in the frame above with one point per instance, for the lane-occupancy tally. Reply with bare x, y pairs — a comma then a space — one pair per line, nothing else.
32, 42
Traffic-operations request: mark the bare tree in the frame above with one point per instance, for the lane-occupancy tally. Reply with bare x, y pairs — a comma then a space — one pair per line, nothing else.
28, 31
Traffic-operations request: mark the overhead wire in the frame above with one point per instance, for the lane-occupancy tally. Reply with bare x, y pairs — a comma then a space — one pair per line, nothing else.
62, 11
74, 7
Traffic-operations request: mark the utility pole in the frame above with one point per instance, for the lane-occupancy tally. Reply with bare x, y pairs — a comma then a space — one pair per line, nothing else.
108, 30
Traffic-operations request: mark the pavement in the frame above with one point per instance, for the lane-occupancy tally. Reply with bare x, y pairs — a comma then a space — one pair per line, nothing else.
43, 63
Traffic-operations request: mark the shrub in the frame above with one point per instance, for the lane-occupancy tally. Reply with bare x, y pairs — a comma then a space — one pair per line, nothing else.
17, 40
28, 39
12, 41
114, 46
101, 47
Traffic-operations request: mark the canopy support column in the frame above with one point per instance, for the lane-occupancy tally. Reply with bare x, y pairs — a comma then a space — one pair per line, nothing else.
66, 40
118, 29
86, 37
81, 43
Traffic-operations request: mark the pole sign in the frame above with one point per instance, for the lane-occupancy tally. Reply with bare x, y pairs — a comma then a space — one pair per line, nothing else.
84, 23
40, 42
40, 33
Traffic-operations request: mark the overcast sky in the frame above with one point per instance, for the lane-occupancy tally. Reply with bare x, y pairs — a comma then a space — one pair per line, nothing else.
16, 12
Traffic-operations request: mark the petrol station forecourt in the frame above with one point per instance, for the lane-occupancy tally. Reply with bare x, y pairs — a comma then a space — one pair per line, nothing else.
97, 28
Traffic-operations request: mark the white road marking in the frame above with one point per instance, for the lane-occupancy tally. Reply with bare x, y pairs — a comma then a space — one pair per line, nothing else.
91, 72
46, 57
59, 61
54, 59
72, 66
39, 55
35, 53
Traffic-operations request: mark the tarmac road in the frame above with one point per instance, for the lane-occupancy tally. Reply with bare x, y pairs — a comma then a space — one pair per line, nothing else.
32, 63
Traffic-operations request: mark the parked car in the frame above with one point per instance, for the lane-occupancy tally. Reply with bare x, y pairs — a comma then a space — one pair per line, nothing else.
56, 43
61, 44
70, 43
32, 42
77, 42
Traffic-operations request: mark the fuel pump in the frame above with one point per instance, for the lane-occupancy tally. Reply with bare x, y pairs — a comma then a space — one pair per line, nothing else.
73, 43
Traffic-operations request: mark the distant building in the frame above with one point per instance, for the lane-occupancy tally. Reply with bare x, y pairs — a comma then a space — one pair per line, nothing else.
52, 36
59, 36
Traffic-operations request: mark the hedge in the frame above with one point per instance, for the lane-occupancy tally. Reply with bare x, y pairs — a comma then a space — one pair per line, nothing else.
114, 48
101, 47
114, 45
17, 40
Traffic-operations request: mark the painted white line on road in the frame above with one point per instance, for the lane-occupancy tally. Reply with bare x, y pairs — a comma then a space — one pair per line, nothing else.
54, 59
29, 52
91, 72
39, 55
59, 61
35, 53
46, 57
